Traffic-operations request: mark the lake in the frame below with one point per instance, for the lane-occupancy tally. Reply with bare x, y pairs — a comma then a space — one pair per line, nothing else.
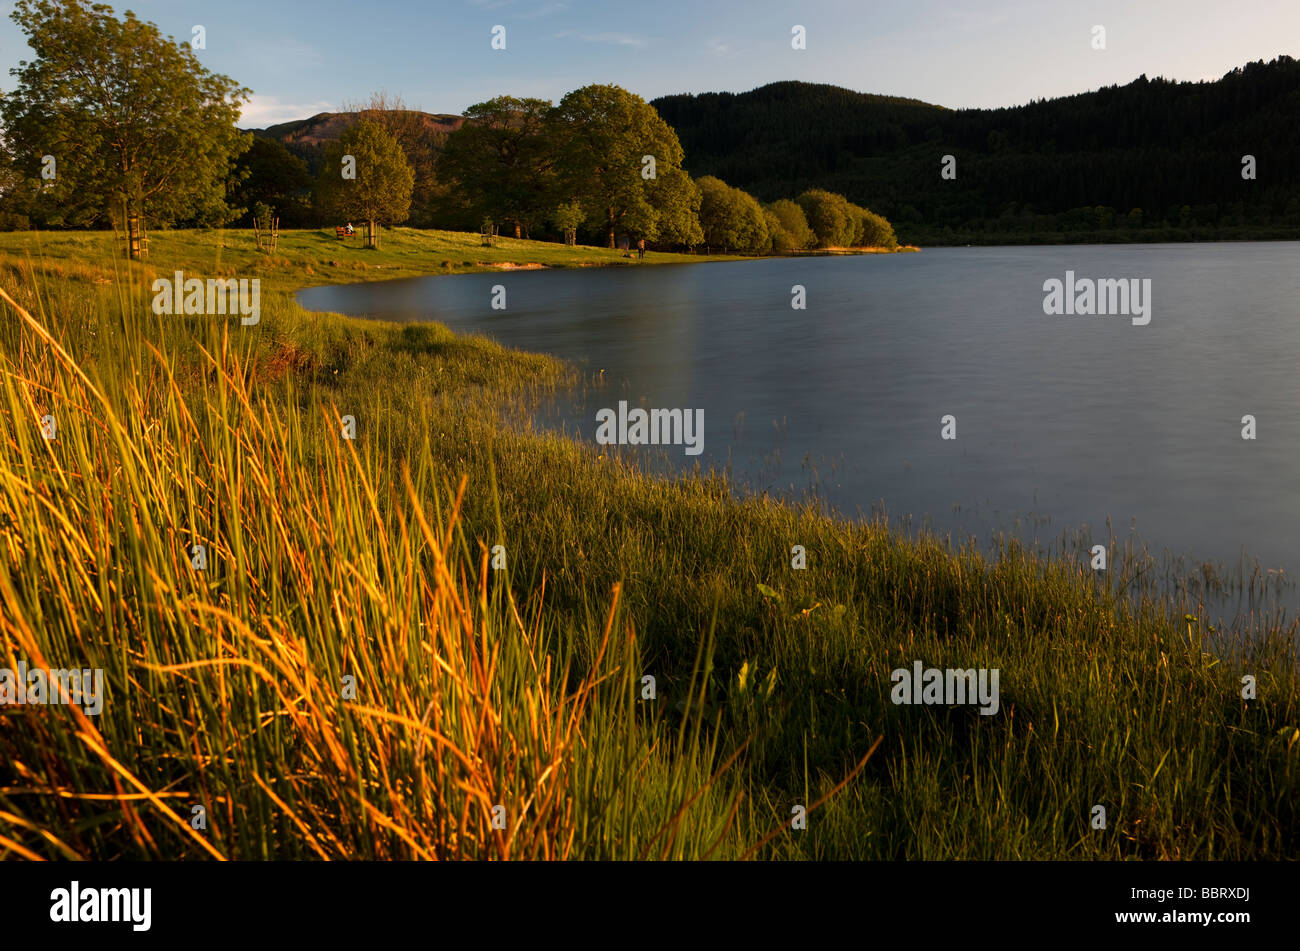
1061, 422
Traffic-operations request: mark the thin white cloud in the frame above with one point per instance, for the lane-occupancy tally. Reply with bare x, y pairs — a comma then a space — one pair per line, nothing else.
721, 48
613, 39
263, 111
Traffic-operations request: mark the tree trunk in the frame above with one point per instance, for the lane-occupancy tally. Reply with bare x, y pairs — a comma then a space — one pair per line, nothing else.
611, 228
372, 238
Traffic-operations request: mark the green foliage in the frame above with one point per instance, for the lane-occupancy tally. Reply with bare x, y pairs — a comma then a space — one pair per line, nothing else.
268, 173
753, 233
779, 239
131, 118
871, 230
421, 138
731, 218
676, 201
717, 221
520, 160
502, 161
793, 223
1153, 144
381, 191
16, 197
568, 216
601, 135
830, 216
835, 222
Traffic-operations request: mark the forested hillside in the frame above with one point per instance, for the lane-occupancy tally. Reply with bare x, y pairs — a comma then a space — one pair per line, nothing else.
306, 138
1151, 160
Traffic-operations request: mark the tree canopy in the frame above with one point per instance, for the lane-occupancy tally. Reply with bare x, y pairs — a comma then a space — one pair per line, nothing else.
268, 173
420, 142
730, 218
838, 223
603, 136
790, 231
830, 217
380, 191
127, 118
503, 161
675, 199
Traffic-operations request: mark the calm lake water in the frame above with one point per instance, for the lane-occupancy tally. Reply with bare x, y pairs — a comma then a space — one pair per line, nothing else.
1062, 422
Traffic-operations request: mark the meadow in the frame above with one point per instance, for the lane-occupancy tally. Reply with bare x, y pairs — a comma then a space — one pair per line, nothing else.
349, 676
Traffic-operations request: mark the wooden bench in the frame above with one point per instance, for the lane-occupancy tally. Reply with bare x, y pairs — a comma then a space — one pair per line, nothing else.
342, 233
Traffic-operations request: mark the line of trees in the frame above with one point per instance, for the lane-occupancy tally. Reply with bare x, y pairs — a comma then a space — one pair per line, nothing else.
604, 161
111, 118
733, 220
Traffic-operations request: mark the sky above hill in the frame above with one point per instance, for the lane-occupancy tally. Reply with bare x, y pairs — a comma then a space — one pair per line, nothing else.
300, 57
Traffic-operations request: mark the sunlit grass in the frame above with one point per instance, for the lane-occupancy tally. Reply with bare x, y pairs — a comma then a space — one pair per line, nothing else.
522, 687
346, 678
308, 257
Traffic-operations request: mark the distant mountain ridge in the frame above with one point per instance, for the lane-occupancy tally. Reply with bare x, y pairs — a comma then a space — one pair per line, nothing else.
307, 138
327, 126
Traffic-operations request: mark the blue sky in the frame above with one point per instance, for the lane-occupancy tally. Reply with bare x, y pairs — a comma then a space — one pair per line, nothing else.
300, 58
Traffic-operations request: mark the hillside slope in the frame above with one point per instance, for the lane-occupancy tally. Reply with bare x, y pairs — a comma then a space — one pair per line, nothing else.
1153, 158
306, 137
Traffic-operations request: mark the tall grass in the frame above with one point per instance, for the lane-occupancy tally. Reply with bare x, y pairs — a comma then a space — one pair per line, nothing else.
370, 558
345, 678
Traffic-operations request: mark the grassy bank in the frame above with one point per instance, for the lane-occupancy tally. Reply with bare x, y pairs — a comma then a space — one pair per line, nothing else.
307, 257
522, 687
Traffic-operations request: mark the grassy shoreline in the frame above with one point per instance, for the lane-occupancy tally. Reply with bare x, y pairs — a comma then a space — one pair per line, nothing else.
304, 257
309, 257
332, 556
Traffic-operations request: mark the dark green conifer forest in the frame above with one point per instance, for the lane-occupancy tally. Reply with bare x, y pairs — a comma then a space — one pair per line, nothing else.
1153, 160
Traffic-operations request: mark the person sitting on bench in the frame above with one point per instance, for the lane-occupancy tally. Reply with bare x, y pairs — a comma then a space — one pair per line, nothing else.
349, 229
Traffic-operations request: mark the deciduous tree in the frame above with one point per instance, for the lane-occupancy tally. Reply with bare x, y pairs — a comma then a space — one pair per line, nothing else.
794, 223
420, 141
502, 160
129, 118
829, 217
380, 192
603, 136
269, 173
730, 218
